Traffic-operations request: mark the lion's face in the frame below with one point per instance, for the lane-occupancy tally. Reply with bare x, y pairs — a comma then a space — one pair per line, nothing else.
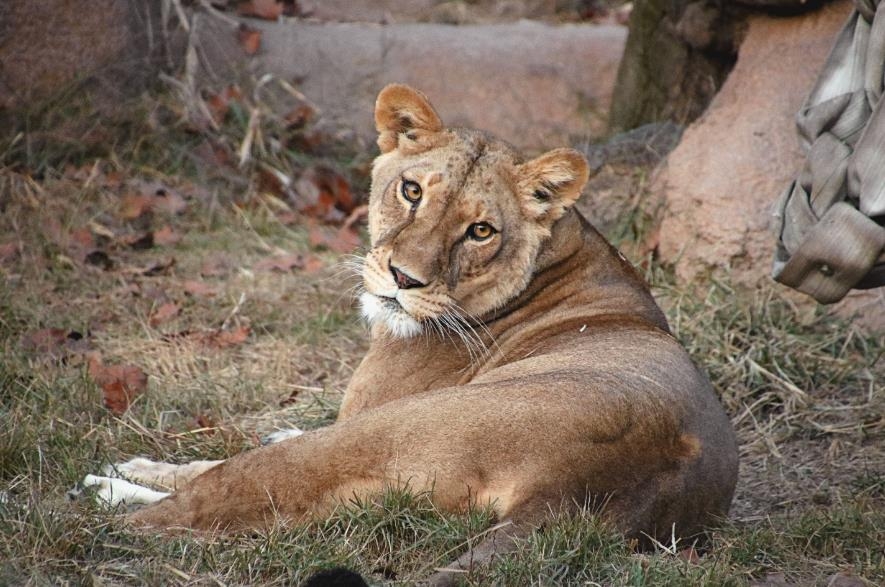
456, 218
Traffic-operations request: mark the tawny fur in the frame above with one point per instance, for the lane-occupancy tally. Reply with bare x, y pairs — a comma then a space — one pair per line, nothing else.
565, 385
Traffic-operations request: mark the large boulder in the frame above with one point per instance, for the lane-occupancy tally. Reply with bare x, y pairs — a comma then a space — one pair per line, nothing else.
113, 47
533, 84
733, 162
452, 11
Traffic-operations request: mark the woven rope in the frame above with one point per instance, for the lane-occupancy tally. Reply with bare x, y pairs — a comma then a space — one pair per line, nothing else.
830, 220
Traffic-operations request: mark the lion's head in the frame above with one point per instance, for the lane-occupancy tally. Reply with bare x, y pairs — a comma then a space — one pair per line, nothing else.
456, 218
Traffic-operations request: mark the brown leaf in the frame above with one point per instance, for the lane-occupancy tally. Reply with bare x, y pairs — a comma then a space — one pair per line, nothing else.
324, 193
45, 340
55, 342
168, 201
300, 116
199, 289
120, 384
213, 154
138, 241
266, 9
689, 555
223, 339
148, 197
218, 107
343, 240
164, 313
284, 263
82, 238
159, 267
214, 339
250, 39
312, 264
9, 252
133, 206
215, 266
166, 236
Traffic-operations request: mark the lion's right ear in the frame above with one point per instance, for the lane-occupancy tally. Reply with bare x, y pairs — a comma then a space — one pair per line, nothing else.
552, 183
401, 110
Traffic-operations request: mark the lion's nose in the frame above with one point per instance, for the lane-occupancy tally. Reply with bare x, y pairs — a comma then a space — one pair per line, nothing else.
404, 281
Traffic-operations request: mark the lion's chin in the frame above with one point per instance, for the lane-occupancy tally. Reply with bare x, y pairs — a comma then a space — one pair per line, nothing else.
387, 311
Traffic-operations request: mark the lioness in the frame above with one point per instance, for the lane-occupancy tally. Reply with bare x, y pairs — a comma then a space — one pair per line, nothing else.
517, 360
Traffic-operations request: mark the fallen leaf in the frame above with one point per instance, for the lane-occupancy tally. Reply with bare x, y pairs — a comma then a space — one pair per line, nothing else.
164, 313
287, 218
153, 293
45, 340
312, 264
150, 196
168, 201
215, 339
159, 267
223, 339
215, 266
199, 289
250, 39
133, 206
323, 193
218, 107
300, 116
342, 240
56, 343
216, 156
9, 252
82, 238
138, 241
689, 555
266, 9
284, 263
120, 384
166, 236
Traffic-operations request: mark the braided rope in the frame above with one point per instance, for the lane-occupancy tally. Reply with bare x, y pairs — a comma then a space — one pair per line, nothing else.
830, 220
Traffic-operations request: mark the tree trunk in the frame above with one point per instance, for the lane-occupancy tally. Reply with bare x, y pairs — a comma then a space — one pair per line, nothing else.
678, 54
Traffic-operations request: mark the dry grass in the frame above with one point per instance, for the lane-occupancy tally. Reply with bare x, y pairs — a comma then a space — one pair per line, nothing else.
805, 394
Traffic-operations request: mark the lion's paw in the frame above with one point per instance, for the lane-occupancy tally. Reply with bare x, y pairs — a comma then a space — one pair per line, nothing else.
114, 491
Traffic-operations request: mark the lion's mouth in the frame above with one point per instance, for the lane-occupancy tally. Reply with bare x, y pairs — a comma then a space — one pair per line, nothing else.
390, 312
391, 303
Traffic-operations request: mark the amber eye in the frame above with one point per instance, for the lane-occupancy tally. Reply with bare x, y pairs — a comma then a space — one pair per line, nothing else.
411, 191
480, 231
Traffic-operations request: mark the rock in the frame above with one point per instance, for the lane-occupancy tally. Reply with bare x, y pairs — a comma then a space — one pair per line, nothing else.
112, 47
532, 84
450, 11
719, 184
846, 580
618, 169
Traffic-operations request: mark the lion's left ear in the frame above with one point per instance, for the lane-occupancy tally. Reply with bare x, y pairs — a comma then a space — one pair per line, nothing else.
552, 183
401, 110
